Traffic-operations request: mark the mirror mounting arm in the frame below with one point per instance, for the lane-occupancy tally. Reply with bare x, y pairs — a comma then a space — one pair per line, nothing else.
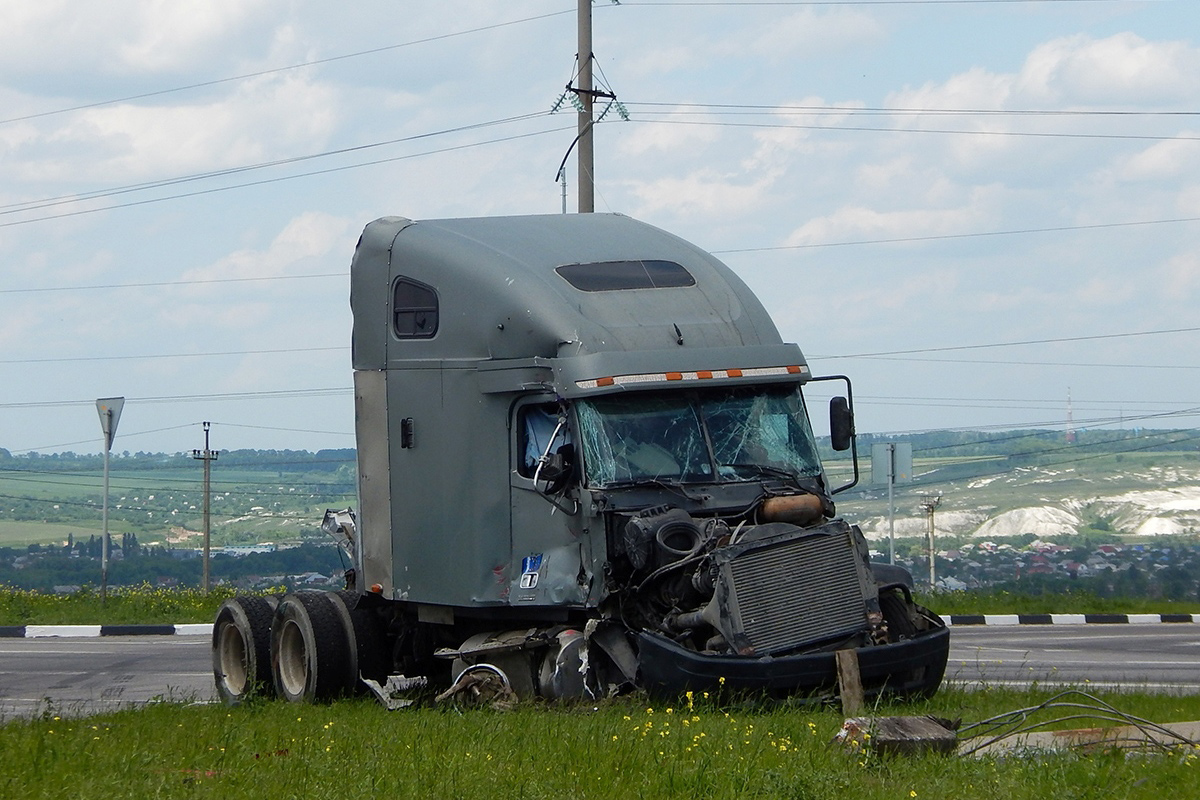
841, 427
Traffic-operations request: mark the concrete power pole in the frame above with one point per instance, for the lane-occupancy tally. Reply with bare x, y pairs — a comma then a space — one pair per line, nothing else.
207, 456
586, 155
930, 503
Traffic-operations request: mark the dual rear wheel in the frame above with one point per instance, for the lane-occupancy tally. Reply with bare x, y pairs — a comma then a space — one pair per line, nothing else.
307, 646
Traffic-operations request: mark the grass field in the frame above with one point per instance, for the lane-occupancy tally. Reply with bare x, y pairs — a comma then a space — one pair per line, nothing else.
142, 605
256, 505
616, 749
21, 534
997, 601
247, 505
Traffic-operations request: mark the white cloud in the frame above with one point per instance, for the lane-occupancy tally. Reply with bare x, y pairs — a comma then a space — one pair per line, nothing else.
806, 35
168, 34
851, 223
1120, 70
640, 139
265, 119
1163, 161
727, 188
703, 193
313, 235
1179, 282
118, 36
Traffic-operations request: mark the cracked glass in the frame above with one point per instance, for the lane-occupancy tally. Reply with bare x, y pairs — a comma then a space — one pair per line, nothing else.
705, 436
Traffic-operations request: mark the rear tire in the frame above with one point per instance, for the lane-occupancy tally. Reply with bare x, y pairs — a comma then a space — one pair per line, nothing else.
368, 644
241, 649
310, 648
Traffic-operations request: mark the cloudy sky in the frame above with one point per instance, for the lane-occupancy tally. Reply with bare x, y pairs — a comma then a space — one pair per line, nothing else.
972, 208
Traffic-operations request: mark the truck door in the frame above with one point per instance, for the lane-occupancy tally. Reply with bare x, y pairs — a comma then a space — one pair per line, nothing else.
551, 556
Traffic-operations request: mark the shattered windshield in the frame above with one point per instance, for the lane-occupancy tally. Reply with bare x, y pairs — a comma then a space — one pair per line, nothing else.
713, 435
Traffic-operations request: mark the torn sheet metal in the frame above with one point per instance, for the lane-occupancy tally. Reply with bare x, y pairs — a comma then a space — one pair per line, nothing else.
398, 691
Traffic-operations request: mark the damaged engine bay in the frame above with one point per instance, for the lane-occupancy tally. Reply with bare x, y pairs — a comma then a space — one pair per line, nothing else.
698, 605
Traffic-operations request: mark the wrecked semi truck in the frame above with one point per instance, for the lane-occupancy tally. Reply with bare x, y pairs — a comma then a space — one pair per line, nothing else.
584, 465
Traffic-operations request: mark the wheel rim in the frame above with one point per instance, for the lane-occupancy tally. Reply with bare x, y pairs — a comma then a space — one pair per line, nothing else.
234, 673
293, 659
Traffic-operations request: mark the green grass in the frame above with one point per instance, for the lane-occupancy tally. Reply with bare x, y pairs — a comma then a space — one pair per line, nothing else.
149, 605
997, 601
20, 534
123, 606
618, 749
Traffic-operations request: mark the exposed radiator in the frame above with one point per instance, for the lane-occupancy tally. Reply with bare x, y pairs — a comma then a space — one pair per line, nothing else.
785, 591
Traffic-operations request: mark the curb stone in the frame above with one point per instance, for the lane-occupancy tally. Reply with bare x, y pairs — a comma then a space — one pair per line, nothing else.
87, 631
1068, 619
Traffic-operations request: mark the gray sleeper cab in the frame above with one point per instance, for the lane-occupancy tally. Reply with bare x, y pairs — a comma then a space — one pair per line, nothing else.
585, 465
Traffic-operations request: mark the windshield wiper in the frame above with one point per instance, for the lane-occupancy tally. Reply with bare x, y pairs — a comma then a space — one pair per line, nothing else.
765, 469
671, 484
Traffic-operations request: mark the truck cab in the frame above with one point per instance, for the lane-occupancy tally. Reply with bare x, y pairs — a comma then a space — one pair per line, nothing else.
585, 462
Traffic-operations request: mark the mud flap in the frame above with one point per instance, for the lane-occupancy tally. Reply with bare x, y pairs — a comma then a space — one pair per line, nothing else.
611, 640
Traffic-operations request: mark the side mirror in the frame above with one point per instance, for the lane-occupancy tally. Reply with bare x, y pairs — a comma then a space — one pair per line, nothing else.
841, 424
557, 469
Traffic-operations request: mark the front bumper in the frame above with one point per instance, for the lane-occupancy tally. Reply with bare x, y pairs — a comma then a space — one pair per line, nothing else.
912, 667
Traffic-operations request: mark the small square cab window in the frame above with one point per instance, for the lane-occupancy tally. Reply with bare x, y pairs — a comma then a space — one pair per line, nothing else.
414, 310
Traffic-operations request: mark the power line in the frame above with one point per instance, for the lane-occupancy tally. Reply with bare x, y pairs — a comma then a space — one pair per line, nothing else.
1024, 363
1014, 438
35, 205
1054, 423
749, 108
286, 430
880, 356
151, 356
285, 177
195, 282
946, 236
729, 251
189, 398
302, 65
939, 131
92, 441
1046, 402
1091, 338
1064, 462
736, 3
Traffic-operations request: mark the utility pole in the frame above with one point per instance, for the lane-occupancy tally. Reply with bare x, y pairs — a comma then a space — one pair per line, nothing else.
930, 502
891, 458
891, 462
109, 409
207, 456
586, 155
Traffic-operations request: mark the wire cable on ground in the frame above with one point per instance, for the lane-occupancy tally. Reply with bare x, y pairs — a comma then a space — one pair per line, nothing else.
1015, 723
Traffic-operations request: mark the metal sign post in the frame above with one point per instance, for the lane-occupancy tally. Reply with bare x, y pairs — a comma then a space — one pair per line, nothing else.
893, 459
109, 409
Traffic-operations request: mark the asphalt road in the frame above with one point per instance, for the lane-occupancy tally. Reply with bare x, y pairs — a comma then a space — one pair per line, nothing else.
1135, 657
84, 675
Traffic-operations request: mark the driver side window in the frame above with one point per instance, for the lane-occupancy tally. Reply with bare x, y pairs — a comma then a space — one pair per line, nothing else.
540, 435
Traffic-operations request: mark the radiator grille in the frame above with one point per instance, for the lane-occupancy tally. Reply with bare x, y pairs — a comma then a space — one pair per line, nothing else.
798, 591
